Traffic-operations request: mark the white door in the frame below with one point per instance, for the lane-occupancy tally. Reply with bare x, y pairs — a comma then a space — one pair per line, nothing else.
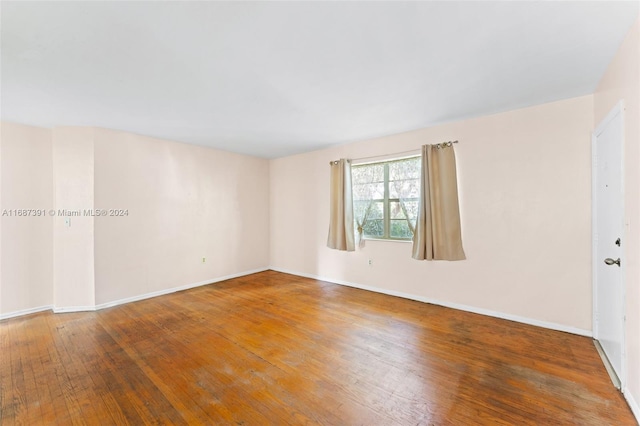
608, 244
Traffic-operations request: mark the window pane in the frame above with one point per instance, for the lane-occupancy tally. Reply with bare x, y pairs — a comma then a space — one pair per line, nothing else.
405, 209
374, 228
404, 178
395, 208
377, 191
400, 229
376, 211
367, 173
359, 209
411, 206
361, 191
405, 188
402, 187
368, 191
405, 169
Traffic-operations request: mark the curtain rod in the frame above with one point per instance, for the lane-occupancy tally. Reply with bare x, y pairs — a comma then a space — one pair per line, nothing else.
395, 154
445, 144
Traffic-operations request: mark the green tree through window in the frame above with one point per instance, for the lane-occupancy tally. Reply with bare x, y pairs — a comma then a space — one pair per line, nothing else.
385, 198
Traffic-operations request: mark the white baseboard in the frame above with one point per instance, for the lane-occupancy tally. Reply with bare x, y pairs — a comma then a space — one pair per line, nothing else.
68, 309
473, 309
175, 289
633, 404
25, 312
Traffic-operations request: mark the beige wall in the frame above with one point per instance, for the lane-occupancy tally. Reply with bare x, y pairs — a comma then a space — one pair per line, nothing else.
73, 180
26, 277
185, 202
524, 180
622, 82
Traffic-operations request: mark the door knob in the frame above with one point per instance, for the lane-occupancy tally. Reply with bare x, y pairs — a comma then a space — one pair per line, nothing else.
610, 261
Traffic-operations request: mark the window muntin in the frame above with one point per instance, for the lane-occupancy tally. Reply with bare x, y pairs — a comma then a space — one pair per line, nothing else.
385, 198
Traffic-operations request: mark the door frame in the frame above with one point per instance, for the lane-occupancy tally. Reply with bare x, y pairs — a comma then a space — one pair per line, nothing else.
617, 110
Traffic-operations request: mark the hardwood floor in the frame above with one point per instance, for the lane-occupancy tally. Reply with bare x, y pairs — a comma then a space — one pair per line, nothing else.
273, 348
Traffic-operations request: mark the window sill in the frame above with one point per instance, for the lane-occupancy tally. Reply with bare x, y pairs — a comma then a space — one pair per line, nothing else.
387, 240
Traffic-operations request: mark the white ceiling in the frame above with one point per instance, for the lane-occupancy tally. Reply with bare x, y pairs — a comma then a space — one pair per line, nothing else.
277, 78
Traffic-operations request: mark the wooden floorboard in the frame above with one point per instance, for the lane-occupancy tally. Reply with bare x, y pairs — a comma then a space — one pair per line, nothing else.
277, 349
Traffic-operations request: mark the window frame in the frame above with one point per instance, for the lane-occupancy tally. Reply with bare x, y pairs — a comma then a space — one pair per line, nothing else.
386, 200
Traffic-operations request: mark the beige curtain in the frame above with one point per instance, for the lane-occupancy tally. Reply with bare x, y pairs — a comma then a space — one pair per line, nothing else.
341, 205
437, 235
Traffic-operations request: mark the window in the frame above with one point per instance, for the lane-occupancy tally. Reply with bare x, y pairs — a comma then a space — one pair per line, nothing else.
385, 198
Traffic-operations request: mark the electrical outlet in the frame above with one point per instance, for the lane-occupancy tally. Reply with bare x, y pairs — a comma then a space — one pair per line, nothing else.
204, 259
370, 262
